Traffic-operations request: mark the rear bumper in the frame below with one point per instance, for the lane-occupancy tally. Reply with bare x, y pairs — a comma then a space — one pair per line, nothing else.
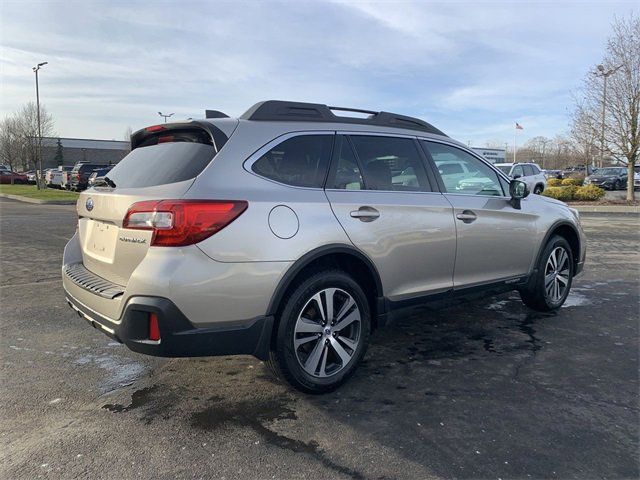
178, 336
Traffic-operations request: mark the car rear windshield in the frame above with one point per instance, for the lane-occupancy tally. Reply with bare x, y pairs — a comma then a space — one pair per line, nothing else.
161, 164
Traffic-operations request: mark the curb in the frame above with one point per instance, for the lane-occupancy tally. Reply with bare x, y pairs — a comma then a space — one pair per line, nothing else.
625, 209
37, 201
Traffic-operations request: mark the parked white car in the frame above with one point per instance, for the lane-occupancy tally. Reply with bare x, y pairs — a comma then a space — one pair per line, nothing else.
53, 176
530, 173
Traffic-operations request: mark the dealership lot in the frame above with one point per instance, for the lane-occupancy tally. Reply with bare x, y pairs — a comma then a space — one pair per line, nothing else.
483, 390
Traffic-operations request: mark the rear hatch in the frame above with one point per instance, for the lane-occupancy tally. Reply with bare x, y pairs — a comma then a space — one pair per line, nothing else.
163, 164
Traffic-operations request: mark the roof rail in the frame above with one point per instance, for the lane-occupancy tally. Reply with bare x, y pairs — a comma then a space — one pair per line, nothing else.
278, 110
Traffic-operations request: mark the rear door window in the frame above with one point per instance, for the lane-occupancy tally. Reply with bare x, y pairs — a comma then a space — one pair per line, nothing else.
391, 163
528, 170
346, 173
299, 161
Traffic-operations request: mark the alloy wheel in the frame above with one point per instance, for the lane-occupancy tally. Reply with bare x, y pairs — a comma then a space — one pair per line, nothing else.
556, 275
327, 332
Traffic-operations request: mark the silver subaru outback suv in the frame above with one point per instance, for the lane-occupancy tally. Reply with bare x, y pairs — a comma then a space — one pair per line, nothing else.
294, 231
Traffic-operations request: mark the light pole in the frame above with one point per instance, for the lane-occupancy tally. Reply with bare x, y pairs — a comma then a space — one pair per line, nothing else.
604, 73
40, 178
165, 116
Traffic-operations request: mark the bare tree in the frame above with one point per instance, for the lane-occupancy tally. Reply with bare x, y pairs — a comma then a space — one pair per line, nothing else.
127, 136
619, 112
19, 136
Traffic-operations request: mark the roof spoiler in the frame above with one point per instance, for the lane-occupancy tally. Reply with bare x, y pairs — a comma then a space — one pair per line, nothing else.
278, 110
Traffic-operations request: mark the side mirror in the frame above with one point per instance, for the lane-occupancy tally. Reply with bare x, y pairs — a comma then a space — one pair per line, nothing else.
517, 190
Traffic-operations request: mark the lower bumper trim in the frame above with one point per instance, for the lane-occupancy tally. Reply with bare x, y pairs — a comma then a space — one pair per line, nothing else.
178, 336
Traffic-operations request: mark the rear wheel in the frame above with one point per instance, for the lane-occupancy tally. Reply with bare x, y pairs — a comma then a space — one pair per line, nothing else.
552, 283
323, 332
617, 185
538, 189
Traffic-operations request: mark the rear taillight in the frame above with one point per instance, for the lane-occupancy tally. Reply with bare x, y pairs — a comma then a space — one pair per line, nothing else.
176, 223
78, 176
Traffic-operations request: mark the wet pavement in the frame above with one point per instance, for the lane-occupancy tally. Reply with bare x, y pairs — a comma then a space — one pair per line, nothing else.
487, 389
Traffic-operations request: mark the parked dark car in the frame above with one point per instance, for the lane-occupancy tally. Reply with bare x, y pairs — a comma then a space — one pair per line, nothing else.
78, 178
96, 174
578, 171
7, 176
609, 178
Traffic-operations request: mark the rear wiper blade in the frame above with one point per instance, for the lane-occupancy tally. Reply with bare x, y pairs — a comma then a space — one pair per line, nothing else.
104, 181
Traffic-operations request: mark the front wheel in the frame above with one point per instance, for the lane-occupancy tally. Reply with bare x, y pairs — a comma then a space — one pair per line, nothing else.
538, 190
550, 287
617, 185
323, 332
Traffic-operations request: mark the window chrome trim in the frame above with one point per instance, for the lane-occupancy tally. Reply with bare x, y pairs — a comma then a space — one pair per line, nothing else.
255, 156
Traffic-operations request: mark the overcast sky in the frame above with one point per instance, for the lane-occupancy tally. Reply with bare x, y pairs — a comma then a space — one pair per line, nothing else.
470, 68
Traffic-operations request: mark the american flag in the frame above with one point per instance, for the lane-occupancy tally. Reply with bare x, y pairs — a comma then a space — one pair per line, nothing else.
518, 126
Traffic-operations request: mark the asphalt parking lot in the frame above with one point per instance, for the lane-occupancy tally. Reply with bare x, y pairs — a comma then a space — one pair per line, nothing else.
483, 390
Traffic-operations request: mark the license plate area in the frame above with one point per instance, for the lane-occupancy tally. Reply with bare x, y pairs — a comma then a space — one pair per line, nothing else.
101, 240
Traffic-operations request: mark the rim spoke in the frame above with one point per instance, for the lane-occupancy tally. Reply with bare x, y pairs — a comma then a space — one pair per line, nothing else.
323, 365
549, 289
344, 309
563, 259
301, 341
311, 365
348, 342
328, 296
342, 353
547, 280
305, 325
563, 279
348, 320
557, 290
318, 301
553, 260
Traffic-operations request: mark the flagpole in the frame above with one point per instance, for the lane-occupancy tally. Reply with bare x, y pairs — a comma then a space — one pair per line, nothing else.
515, 131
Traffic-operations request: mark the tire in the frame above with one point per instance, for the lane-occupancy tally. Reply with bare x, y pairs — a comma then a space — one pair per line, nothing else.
538, 189
616, 185
315, 357
536, 296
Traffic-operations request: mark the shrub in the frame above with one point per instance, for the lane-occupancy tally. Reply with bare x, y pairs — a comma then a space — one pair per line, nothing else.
572, 181
589, 193
561, 193
554, 182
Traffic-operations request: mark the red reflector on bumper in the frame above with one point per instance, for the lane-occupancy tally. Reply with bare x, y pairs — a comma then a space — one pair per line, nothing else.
154, 328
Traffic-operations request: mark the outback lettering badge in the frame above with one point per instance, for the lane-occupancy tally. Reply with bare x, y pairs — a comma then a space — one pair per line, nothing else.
132, 239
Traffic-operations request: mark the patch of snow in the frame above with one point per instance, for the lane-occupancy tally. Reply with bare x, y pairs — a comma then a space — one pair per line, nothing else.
576, 300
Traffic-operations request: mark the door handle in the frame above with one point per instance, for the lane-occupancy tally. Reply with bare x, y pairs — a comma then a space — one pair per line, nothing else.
467, 216
365, 214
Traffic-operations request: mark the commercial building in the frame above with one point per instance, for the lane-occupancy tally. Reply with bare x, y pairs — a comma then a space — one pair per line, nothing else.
68, 151
493, 155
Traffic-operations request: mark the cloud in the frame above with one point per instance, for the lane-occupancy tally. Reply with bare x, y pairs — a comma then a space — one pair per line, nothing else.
470, 68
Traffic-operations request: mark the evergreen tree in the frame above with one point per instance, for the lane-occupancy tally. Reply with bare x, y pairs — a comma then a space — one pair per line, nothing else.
59, 155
